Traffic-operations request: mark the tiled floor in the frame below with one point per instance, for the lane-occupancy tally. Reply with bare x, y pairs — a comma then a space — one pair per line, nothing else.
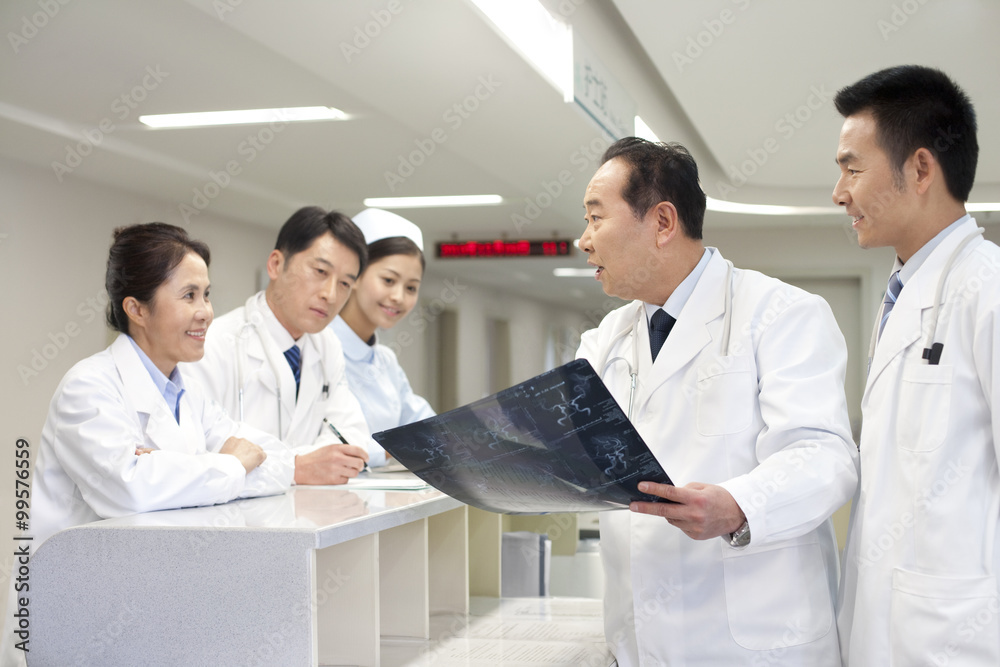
512, 632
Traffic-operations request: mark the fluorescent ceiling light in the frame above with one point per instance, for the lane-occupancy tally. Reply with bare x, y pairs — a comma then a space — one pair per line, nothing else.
242, 117
768, 209
982, 206
544, 42
574, 273
643, 131
422, 202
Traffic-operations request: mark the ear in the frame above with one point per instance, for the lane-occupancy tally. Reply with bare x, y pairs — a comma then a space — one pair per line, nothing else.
275, 264
136, 311
927, 169
667, 223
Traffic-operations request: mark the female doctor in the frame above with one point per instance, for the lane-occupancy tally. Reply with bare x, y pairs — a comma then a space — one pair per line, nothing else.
385, 293
125, 432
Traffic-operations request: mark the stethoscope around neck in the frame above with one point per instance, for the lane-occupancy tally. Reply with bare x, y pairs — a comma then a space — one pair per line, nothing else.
932, 352
253, 322
633, 367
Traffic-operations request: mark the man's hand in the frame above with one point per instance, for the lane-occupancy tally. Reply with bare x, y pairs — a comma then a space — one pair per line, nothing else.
330, 464
249, 454
702, 511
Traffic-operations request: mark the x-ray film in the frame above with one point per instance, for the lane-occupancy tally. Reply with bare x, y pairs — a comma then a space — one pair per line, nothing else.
558, 442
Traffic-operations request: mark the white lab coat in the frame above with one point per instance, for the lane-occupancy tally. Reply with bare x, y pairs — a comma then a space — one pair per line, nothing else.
769, 423
922, 557
379, 382
107, 406
230, 341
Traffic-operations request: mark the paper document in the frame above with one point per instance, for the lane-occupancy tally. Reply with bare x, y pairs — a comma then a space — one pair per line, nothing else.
558, 442
387, 481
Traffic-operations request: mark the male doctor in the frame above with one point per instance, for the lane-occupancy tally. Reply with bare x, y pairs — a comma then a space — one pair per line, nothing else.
272, 362
748, 417
923, 553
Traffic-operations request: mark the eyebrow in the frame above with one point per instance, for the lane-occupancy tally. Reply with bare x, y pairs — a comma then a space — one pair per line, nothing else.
592, 202
845, 158
192, 286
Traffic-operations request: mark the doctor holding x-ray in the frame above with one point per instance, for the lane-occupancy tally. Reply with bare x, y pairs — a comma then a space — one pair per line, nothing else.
735, 380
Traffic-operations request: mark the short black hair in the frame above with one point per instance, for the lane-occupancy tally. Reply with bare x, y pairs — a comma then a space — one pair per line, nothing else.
141, 258
395, 245
919, 107
661, 172
310, 222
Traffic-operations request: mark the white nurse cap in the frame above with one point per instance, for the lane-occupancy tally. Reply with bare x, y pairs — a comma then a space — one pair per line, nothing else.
377, 224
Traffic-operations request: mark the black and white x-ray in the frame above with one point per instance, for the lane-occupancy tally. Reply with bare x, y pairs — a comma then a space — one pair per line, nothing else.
558, 442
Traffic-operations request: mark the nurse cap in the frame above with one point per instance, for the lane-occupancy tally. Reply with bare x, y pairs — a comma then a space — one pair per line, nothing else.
377, 224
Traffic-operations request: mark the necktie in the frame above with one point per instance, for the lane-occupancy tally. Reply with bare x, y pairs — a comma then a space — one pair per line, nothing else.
294, 357
891, 294
659, 328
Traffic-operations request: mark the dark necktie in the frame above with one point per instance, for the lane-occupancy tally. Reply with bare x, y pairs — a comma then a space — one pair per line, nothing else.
659, 328
294, 357
891, 294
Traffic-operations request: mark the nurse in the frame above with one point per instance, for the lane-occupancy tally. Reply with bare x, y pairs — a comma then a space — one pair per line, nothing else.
385, 293
126, 432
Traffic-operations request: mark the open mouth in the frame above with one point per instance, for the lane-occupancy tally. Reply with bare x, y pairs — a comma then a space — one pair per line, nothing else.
197, 334
390, 311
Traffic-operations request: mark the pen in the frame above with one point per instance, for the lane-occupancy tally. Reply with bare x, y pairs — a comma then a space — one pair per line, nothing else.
340, 436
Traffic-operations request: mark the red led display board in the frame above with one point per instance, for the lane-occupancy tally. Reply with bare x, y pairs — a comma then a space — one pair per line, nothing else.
500, 248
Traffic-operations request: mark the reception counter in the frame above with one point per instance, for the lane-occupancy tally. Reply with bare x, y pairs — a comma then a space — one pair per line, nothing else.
314, 576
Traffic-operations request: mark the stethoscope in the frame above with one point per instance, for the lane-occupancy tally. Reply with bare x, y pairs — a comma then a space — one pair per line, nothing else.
633, 368
932, 353
252, 322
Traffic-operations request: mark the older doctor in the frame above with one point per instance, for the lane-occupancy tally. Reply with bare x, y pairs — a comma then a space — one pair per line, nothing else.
923, 551
743, 404
126, 432
272, 362
385, 294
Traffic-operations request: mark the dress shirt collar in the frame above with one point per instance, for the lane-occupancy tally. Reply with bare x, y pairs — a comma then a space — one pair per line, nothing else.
171, 388
679, 297
907, 271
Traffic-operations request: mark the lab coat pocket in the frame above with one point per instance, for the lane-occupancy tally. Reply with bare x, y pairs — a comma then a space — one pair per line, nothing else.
777, 596
725, 387
944, 620
925, 396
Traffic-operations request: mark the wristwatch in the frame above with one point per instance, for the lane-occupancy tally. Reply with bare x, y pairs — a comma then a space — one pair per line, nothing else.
741, 537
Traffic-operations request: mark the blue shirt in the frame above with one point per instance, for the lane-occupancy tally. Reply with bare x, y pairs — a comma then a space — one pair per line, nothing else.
907, 270
171, 388
379, 382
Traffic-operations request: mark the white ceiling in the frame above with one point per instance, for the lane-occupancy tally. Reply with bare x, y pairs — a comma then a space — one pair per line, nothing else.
765, 61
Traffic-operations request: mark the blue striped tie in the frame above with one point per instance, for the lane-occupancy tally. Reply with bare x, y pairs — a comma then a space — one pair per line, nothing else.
660, 325
891, 294
294, 357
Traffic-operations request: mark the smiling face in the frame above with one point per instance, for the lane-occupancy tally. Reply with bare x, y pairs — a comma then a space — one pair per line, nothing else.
388, 290
308, 289
172, 327
868, 188
615, 241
